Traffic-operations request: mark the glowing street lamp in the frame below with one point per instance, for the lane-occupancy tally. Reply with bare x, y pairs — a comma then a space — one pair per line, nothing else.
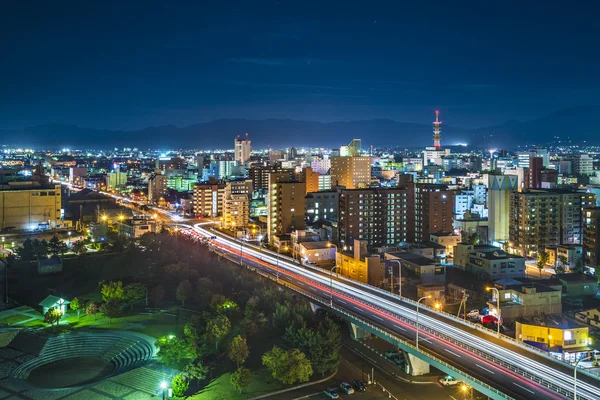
417, 321
163, 386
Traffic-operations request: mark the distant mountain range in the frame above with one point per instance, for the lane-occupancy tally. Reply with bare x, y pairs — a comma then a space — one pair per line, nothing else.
575, 123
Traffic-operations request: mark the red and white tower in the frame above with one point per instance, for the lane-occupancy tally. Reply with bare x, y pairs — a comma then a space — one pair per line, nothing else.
437, 130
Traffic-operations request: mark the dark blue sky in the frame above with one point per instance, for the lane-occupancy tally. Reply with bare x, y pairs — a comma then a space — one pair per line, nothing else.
132, 64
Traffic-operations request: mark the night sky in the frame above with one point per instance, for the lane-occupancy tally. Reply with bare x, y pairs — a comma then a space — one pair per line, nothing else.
133, 64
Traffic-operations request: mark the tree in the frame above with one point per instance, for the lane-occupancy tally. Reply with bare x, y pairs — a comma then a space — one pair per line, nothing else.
76, 306
26, 252
216, 301
180, 385
93, 308
57, 246
217, 328
288, 367
134, 292
172, 351
111, 309
196, 370
321, 345
40, 248
157, 294
183, 292
79, 247
112, 290
53, 316
238, 350
240, 379
542, 260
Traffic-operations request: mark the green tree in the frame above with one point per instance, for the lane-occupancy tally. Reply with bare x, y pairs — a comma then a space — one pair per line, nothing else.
183, 292
57, 246
40, 248
288, 367
238, 350
112, 290
76, 306
93, 308
26, 252
542, 260
134, 292
180, 385
79, 247
217, 328
111, 309
53, 316
321, 345
196, 370
240, 379
216, 301
172, 351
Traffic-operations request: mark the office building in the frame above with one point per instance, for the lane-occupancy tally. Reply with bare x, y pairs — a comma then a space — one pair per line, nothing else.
209, 199
591, 237
583, 164
351, 172
499, 189
157, 188
322, 205
434, 206
30, 206
241, 150
286, 205
378, 216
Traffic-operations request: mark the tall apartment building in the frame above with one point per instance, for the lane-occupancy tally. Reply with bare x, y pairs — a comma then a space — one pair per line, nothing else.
351, 172
236, 203
499, 189
311, 179
591, 237
157, 188
321, 166
116, 178
533, 179
583, 164
286, 205
378, 216
322, 205
572, 204
434, 206
259, 175
209, 199
241, 150
30, 206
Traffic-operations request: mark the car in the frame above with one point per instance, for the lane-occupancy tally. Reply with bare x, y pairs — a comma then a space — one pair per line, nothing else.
449, 381
331, 393
347, 388
473, 314
358, 386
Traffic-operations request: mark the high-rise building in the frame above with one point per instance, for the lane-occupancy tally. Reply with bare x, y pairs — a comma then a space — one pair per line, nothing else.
498, 198
259, 175
434, 206
30, 206
241, 149
286, 205
378, 216
351, 172
352, 149
116, 179
311, 179
583, 164
321, 166
322, 205
236, 203
572, 204
591, 237
534, 173
157, 188
209, 199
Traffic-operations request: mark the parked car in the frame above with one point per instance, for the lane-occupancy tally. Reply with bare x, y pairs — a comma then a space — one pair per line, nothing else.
358, 386
473, 314
331, 393
449, 381
347, 388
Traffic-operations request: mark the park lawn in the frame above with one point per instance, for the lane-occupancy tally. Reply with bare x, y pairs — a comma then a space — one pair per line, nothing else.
13, 319
160, 325
36, 323
221, 389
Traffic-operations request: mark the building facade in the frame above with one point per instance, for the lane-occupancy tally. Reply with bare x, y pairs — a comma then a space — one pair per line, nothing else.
351, 172
236, 203
30, 206
322, 205
209, 199
591, 237
499, 188
241, 150
286, 205
434, 207
157, 188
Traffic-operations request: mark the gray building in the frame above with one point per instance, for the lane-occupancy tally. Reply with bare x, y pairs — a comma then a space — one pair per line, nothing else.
322, 205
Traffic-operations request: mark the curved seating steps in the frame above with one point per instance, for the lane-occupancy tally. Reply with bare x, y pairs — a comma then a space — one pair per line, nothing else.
124, 352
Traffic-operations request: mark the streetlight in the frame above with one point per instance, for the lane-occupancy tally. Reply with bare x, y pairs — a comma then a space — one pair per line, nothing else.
399, 276
163, 386
331, 285
417, 322
437, 306
487, 289
575, 376
69, 233
465, 388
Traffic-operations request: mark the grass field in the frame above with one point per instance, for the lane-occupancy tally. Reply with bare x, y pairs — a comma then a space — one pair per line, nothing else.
221, 389
13, 319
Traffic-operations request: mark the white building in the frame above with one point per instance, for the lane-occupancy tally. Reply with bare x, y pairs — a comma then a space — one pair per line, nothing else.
241, 150
583, 164
321, 166
434, 155
499, 188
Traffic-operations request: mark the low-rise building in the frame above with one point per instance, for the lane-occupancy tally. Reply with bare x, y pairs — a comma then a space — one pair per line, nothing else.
361, 266
488, 261
565, 339
571, 254
590, 317
578, 285
526, 300
319, 253
446, 239
426, 269
436, 294
135, 227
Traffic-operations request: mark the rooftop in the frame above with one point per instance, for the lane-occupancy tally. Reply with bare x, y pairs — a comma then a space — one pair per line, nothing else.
315, 245
550, 323
411, 258
574, 278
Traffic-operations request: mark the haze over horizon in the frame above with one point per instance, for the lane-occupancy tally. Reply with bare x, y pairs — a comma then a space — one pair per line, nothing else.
160, 64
